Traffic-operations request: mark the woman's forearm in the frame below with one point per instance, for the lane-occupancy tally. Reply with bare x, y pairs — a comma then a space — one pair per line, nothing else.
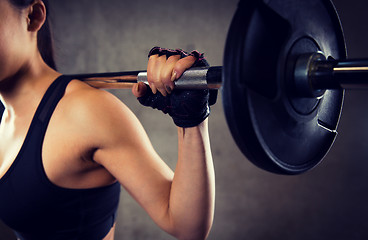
192, 197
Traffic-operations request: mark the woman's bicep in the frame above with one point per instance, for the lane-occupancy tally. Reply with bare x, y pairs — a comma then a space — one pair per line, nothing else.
127, 153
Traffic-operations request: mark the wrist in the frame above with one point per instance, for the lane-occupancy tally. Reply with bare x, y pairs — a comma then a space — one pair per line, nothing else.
201, 127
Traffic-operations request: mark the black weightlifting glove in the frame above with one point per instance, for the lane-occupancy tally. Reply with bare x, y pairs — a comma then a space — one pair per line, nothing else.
188, 108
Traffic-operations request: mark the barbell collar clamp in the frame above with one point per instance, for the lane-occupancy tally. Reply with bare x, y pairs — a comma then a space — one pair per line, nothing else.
306, 73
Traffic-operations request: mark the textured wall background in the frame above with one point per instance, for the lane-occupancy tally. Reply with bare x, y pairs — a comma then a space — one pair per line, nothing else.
328, 202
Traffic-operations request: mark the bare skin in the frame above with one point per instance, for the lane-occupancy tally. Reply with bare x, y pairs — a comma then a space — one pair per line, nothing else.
105, 141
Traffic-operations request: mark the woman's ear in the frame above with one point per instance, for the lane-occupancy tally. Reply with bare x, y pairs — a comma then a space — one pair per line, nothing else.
36, 16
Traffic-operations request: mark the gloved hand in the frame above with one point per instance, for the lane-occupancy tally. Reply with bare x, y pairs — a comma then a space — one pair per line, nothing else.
188, 108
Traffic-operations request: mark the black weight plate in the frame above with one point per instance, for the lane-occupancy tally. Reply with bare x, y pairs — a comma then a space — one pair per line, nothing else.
276, 129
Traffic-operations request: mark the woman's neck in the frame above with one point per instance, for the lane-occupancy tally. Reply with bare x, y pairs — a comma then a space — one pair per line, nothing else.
26, 88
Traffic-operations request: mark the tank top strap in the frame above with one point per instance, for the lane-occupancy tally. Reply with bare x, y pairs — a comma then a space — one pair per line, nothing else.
49, 101
2, 108
51, 98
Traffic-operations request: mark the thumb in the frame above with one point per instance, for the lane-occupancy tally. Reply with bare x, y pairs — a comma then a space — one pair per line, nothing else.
139, 89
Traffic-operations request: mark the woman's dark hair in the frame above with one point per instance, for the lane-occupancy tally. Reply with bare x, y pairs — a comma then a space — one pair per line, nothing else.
44, 37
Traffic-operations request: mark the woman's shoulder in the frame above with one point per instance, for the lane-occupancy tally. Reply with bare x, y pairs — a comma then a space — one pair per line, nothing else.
81, 96
85, 106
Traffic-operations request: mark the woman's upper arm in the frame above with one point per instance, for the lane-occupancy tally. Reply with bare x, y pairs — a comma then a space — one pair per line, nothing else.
124, 149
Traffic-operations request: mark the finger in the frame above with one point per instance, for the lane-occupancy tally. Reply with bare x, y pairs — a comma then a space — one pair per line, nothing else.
150, 71
139, 89
157, 80
182, 65
167, 71
155, 64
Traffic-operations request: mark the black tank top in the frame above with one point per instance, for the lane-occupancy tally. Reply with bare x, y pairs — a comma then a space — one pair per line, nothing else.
34, 207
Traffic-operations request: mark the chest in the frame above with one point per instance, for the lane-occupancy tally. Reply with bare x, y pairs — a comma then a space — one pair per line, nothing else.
30, 200
59, 152
12, 136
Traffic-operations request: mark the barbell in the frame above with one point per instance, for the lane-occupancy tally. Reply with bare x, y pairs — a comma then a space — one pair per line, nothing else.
282, 81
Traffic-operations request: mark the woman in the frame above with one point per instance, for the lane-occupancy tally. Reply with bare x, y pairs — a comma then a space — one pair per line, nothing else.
65, 147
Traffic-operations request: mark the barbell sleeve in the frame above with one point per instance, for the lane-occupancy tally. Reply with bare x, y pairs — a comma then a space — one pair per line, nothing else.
313, 74
194, 78
346, 74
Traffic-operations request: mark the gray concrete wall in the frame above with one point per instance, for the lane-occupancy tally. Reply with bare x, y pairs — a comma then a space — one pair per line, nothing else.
328, 202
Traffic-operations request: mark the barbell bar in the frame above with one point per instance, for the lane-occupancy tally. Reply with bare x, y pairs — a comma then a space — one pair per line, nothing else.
283, 77
195, 78
313, 74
